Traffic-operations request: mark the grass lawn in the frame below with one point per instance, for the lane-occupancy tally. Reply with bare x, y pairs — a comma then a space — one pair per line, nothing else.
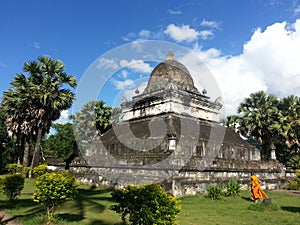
92, 208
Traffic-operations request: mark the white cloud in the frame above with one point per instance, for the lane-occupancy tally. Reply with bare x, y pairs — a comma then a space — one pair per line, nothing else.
181, 33
129, 36
205, 34
174, 12
137, 65
124, 74
212, 24
129, 93
36, 45
121, 85
145, 34
64, 117
269, 62
107, 64
297, 9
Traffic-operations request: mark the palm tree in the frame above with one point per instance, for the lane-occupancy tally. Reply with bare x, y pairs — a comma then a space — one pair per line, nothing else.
94, 119
103, 116
288, 124
16, 104
48, 83
34, 102
259, 112
233, 122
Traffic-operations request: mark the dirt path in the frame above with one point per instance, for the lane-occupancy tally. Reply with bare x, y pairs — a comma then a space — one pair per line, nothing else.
8, 219
291, 192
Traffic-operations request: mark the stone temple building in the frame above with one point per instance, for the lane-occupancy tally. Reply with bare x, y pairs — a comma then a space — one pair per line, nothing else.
171, 134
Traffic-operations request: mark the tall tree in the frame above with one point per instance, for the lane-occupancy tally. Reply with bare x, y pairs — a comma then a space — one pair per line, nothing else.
61, 143
288, 124
259, 112
94, 119
4, 140
233, 122
16, 104
47, 94
48, 86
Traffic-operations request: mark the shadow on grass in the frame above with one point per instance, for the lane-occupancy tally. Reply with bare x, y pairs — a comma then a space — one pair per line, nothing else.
291, 209
32, 209
69, 217
248, 199
74, 211
91, 197
101, 222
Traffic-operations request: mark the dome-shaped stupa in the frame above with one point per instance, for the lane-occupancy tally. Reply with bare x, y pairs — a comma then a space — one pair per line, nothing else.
171, 90
170, 71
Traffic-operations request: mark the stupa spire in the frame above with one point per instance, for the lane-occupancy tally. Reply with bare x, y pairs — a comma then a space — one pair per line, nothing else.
170, 55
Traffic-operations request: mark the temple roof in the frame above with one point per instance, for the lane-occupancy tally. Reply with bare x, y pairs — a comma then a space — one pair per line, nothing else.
170, 71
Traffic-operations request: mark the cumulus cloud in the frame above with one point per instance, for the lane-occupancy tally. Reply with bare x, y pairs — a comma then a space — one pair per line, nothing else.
107, 63
64, 117
269, 62
145, 34
137, 65
205, 34
121, 85
181, 33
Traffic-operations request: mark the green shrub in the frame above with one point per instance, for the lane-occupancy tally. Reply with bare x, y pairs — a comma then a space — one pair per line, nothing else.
233, 189
293, 185
40, 170
26, 171
12, 185
297, 179
214, 192
148, 204
52, 189
14, 168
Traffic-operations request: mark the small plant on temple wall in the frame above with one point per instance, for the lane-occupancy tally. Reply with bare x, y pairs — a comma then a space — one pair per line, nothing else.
214, 192
232, 189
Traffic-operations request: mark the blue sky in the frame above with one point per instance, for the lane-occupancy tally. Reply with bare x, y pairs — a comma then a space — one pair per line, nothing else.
246, 45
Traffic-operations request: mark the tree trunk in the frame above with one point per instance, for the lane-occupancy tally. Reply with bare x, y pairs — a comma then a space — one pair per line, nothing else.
37, 151
26, 154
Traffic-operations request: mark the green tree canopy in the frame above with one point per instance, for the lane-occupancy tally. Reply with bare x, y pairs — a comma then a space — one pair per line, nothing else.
94, 119
33, 102
265, 119
259, 112
60, 144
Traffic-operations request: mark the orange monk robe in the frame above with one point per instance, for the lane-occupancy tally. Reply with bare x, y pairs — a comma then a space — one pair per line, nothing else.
256, 191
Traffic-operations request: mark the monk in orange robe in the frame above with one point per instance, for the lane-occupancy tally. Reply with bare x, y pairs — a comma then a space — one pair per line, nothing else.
256, 191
